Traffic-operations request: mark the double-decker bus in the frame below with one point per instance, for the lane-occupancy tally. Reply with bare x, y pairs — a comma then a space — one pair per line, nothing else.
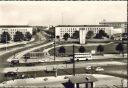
82, 56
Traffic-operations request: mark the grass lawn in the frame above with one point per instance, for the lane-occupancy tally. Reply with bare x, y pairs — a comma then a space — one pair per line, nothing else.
108, 49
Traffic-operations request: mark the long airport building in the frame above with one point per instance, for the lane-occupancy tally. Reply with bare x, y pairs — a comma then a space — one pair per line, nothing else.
60, 30
12, 29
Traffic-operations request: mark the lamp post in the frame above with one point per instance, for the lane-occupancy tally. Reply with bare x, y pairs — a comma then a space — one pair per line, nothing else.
6, 43
73, 61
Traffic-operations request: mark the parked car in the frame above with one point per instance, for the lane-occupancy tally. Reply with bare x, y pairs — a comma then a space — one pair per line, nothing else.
43, 60
99, 69
10, 74
88, 68
14, 62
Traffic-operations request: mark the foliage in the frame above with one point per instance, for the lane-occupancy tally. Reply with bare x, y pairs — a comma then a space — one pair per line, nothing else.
75, 35
101, 34
61, 49
57, 37
51, 32
28, 36
82, 49
66, 36
5, 37
120, 47
100, 48
89, 34
19, 36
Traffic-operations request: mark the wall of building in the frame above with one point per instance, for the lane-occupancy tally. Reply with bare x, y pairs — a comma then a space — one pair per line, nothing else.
60, 31
13, 30
116, 25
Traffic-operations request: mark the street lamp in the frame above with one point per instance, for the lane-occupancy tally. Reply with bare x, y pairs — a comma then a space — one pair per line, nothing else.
73, 61
6, 44
54, 51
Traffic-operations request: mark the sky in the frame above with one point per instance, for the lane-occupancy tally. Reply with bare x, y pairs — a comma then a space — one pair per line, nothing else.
61, 12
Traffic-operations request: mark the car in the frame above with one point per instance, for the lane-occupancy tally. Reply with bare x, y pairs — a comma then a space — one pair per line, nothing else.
42, 60
29, 64
88, 68
99, 69
10, 74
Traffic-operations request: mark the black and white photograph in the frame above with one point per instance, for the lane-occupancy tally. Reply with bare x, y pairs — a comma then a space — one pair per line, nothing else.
63, 44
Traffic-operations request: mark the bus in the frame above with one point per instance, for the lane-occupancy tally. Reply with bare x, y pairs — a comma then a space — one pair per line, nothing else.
82, 56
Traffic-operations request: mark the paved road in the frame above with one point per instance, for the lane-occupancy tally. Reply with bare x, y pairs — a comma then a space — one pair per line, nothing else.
9, 53
64, 66
19, 55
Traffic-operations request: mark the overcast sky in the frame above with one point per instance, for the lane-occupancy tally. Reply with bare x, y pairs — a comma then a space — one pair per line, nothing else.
59, 12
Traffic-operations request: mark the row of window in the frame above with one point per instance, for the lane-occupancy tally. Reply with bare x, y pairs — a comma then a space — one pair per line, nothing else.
74, 29
14, 29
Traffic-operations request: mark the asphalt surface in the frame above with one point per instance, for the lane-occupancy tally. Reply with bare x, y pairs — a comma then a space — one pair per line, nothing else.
5, 56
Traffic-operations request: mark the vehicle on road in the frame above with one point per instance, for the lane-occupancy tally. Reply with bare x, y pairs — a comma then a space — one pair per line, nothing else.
10, 74
99, 69
88, 68
82, 56
42, 60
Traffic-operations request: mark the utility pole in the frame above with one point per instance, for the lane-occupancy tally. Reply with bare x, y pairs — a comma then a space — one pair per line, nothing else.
54, 51
54, 45
6, 43
73, 61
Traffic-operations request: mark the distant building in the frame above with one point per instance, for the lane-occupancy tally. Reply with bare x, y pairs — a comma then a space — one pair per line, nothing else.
12, 29
116, 25
60, 30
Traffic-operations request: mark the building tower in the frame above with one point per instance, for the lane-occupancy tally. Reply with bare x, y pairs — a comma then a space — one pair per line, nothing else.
82, 35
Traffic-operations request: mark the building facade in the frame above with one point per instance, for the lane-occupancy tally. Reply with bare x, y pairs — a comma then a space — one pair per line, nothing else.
116, 25
60, 30
12, 29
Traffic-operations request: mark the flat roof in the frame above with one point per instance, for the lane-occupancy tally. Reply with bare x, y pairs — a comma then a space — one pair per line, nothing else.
9, 26
83, 26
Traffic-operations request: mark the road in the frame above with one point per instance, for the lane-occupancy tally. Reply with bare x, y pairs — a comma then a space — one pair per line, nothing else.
118, 67
15, 50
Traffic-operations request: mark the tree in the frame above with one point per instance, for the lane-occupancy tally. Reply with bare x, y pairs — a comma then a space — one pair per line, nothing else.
66, 36
98, 36
82, 49
89, 34
28, 36
100, 48
34, 32
61, 50
75, 35
5, 37
120, 48
102, 33
18, 36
